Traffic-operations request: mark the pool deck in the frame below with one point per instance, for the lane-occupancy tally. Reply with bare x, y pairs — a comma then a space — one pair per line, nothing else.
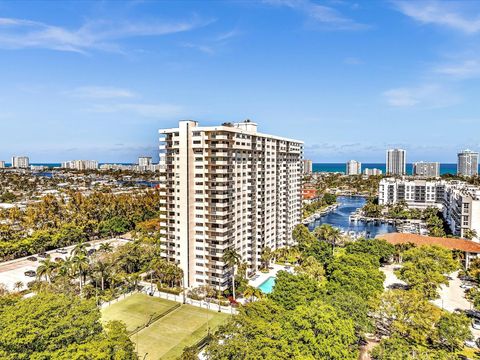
262, 277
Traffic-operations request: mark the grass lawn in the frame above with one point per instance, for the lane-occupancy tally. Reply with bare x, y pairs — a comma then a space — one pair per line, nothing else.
166, 338
136, 310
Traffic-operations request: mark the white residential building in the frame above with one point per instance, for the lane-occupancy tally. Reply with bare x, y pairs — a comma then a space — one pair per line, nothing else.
467, 164
80, 165
415, 193
307, 166
458, 200
20, 162
396, 162
226, 187
2, 164
118, 167
426, 169
353, 167
145, 161
372, 172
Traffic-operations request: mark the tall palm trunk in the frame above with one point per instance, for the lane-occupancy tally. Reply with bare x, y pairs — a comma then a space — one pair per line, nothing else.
103, 282
81, 286
233, 283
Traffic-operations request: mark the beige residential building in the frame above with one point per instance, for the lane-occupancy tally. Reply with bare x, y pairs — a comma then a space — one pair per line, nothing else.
226, 187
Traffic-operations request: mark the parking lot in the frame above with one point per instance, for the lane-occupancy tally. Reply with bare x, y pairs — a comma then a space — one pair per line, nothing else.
452, 297
13, 272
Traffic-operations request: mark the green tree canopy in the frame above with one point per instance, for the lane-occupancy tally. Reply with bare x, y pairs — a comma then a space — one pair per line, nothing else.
56, 326
291, 290
265, 330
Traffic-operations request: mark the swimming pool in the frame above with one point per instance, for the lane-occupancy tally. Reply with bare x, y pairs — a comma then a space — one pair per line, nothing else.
267, 285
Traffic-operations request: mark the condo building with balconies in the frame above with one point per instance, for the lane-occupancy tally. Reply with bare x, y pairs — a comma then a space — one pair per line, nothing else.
226, 187
458, 200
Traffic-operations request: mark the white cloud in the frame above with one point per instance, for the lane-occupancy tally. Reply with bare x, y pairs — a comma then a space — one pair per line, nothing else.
327, 16
141, 109
101, 92
463, 70
428, 96
445, 13
211, 45
401, 97
93, 35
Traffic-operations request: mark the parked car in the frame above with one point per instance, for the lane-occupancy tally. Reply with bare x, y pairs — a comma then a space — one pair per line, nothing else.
32, 258
62, 251
30, 273
476, 323
43, 255
91, 252
57, 259
470, 344
467, 286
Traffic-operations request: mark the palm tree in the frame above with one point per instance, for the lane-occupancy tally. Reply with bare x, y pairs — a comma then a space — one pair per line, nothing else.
252, 292
46, 268
80, 263
18, 286
232, 259
66, 267
101, 268
328, 233
470, 234
80, 248
266, 257
105, 247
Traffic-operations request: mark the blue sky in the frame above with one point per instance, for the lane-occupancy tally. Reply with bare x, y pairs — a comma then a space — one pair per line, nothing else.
97, 79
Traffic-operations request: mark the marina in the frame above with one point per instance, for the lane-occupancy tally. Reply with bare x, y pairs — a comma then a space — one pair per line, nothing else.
339, 217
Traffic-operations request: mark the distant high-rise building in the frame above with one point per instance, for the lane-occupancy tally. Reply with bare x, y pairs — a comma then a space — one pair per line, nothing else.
372, 172
396, 162
80, 165
426, 169
227, 187
353, 167
145, 161
2, 164
467, 164
307, 166
20, 162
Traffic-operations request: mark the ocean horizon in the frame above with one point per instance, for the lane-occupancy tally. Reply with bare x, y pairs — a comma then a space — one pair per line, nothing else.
445, 168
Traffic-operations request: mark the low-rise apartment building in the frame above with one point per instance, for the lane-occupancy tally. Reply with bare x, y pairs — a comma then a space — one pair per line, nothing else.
80, 165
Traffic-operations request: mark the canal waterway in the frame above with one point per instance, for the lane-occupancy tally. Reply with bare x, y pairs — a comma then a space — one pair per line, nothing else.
340, 218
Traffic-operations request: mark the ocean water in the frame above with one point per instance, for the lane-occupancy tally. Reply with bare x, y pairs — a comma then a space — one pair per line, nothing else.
340, 167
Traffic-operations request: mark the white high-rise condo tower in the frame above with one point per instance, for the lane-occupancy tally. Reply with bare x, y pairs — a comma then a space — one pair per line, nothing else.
20, 162
467, 164
144, 161
396, 162
307, 166
353, 167
226, 187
